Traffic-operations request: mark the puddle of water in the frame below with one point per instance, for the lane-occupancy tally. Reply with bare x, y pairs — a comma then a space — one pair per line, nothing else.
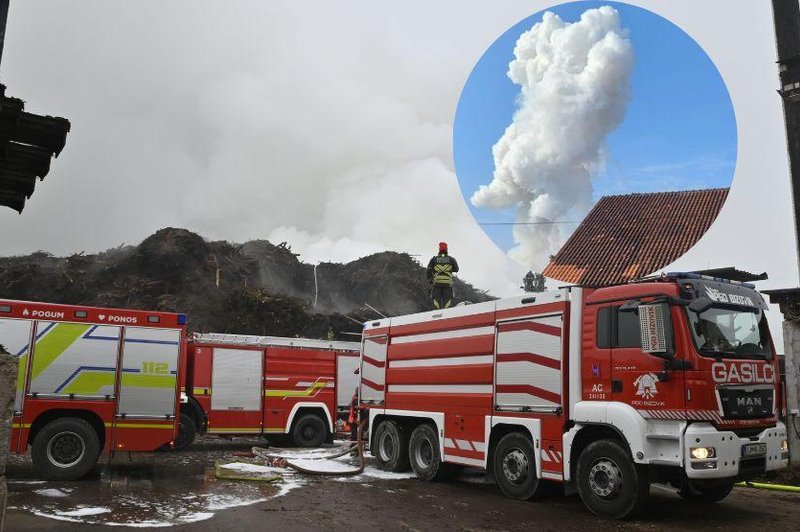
139, 495
167, 489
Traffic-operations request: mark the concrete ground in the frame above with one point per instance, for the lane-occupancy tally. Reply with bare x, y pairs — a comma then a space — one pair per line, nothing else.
180, 490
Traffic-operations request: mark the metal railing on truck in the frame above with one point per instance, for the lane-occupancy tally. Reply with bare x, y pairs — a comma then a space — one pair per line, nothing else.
274, 341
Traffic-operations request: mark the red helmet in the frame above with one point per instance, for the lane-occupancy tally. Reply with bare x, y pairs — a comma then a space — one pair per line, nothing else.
442, 247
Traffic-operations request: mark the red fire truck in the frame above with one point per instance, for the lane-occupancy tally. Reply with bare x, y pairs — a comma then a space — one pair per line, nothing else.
91, 379
237, 385
670, 380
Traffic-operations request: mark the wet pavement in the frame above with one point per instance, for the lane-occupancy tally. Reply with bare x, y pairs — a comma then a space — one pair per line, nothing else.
180, 490
145, 489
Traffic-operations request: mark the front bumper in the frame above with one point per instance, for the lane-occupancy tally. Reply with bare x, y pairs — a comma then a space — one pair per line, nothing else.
729, 461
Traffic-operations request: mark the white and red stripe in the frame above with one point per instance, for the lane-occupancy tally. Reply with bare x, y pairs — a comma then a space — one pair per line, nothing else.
485, 389
444, 335
469, 452
552, 456
529, 362
681, 415
373, 368
443, 361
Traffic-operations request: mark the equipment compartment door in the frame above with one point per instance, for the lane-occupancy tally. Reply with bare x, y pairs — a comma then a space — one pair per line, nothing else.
373, 369
76, 360
237, 376
148, 379
15, 337
346, 379
529, 363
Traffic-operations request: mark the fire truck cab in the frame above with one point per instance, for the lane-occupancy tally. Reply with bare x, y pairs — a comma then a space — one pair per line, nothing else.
91, 379
603, 390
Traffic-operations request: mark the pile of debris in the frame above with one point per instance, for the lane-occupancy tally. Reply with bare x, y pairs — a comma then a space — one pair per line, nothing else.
252, 288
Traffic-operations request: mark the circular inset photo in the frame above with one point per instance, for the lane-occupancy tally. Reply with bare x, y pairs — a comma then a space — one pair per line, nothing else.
595, 142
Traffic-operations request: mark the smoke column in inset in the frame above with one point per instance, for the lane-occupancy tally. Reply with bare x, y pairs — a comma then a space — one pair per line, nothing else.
574, 83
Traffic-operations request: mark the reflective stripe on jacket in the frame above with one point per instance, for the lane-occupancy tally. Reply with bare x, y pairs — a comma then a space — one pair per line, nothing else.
441, 269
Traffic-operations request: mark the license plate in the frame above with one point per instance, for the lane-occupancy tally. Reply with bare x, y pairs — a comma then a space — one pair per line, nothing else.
754, 449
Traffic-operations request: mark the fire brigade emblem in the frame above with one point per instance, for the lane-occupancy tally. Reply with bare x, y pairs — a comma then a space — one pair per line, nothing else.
646, 386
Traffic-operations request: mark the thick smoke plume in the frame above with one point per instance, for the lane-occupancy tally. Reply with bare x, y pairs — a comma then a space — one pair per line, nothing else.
574, 83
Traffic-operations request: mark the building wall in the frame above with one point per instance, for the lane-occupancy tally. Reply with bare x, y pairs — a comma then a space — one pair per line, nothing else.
791, 342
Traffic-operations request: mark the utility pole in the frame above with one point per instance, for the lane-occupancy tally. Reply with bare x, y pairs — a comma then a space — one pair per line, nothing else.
786, 14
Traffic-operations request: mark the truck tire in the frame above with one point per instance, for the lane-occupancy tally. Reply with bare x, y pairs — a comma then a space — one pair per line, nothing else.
186, 432
309, 431
424, 456
706, 492
609, 482
514, 464
65, 449
389, 446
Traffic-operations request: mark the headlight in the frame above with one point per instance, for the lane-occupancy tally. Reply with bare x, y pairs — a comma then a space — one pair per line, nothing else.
785, 446
702, 453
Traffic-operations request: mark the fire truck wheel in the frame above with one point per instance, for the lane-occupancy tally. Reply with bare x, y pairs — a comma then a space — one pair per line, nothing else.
423, 453
389, 446
609, 482
186, 432
706, 491
514, 465
309, 431
65, 449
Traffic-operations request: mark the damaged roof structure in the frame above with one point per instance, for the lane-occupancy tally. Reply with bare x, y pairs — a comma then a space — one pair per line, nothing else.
629, 236
27, 142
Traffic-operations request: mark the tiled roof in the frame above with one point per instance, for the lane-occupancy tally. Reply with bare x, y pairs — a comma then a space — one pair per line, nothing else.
626, 237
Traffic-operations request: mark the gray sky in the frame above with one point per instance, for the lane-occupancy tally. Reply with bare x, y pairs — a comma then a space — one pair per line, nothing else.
326, 124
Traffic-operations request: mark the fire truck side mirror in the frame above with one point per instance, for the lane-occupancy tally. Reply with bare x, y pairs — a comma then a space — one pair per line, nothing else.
630, 306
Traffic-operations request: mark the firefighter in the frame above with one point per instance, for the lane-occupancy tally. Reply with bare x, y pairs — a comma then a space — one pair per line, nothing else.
440, 276
352, 420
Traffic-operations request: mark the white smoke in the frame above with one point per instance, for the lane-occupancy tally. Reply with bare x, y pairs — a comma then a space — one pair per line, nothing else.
291, 121
574, 83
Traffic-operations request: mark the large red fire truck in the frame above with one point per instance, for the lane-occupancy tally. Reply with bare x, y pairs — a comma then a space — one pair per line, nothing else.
669, 380
91, 379
238, 385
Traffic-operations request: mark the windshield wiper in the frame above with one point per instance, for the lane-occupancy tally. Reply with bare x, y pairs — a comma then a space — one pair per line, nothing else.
716, 352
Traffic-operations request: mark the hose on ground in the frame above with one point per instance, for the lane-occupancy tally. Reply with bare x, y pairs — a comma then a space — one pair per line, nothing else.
774, 487
279, 461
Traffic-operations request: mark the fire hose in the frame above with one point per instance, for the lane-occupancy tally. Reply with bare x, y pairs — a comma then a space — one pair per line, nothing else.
277, 460
774, 487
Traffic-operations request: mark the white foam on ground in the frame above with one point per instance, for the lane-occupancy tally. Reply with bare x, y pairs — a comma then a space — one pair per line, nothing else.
143, 524
326, 466
56, 517
50, 492
246, 467
311, 453
194, 507
80, 512
194, 518
218, 502
288, 485
374, 472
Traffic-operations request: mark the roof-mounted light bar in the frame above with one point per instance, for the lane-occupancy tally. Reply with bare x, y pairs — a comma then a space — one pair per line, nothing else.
690, 275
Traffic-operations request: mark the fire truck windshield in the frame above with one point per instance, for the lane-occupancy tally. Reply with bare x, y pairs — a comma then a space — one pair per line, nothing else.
731, 332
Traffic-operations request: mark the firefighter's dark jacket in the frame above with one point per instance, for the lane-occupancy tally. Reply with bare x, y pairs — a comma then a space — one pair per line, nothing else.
441, 269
